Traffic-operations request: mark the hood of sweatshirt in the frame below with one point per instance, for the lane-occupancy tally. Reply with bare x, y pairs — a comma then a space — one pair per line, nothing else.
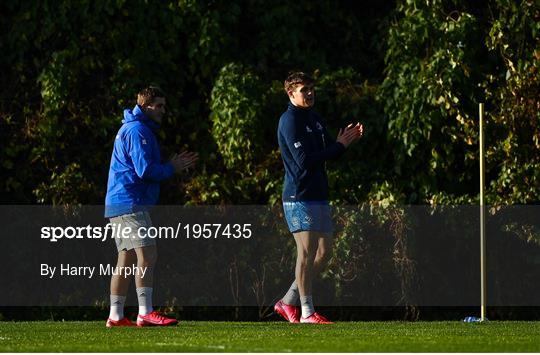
137, 114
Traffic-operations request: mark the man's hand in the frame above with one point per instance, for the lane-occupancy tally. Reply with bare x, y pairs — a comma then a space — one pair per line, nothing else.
184, 161
350, 134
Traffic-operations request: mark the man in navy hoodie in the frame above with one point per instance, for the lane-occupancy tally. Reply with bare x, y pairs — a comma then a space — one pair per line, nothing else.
135, 173
305, 146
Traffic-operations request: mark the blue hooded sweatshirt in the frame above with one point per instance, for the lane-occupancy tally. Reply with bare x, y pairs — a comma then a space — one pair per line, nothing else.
305, 145
136, 169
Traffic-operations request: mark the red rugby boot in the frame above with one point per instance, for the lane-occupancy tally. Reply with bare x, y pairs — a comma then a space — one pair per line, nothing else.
155, 319
124, 322
315, 318
288, 312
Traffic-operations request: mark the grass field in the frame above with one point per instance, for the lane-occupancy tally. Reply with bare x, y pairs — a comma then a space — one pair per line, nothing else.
272, 337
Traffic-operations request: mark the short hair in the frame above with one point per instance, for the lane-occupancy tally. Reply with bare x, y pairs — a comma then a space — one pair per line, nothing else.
147, 95
297, 78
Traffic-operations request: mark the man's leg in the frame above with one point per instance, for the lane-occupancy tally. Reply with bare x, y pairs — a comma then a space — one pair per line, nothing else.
120, 284
146, 260
324, 252
306, 248
313, 252
311, 246
302, 218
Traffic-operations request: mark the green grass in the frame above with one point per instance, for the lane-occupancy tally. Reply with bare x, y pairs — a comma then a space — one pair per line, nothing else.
272, 337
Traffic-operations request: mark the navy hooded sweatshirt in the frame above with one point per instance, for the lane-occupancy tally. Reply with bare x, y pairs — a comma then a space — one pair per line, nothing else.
136, 170
305, 145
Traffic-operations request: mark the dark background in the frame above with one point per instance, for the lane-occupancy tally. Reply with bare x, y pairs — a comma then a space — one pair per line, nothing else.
413, 72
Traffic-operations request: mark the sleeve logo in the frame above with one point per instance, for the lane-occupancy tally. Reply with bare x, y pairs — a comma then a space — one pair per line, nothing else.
297, 145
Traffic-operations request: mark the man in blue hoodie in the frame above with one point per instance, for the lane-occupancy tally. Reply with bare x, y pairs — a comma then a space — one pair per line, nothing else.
135, 173
305, 146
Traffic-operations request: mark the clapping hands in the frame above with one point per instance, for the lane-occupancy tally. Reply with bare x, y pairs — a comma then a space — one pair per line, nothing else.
350, 134
184, 161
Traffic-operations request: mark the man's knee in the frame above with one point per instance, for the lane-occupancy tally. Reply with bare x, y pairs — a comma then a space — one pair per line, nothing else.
306, 259
146, 256
324, 251
323, 254
307, 254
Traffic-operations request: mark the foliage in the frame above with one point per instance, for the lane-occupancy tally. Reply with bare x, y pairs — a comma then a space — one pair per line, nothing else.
237, 116
70, 69
412, 71
514, 146
429, 93
436, 73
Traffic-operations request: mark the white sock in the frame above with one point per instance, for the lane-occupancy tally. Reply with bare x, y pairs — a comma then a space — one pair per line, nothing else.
117, 307
307, 306
291, 297
144, 295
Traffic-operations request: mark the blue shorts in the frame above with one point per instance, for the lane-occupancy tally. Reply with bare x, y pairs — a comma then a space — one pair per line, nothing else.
308, 216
